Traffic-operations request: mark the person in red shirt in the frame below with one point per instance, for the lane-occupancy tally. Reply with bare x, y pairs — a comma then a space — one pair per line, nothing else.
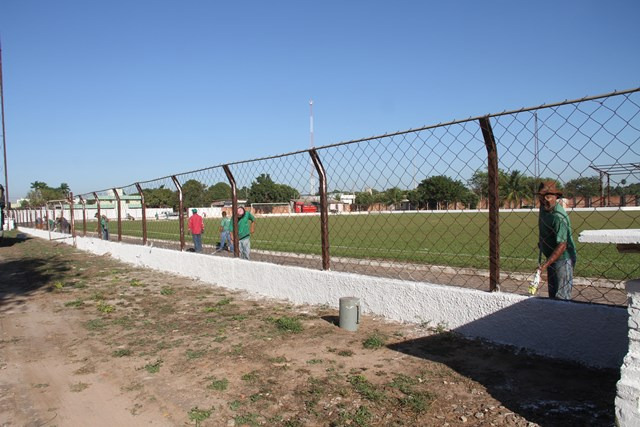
196, 227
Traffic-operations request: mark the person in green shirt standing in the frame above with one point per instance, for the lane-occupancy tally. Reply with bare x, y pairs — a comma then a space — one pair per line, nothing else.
225, 233
556, 242
245, 230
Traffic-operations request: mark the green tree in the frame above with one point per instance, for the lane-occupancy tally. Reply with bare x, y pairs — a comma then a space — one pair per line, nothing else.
161, 198
218, 191
432, 192
265, 190
393, 196
193, 194
514, 189
583, 187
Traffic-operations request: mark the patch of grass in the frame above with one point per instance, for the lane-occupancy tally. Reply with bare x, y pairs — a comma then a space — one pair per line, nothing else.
224, 301
126, 322
218, 385
167, 291
361, 417
121, 352
345, 353
250, 419
441, 327
234, 405
58, 285
195, 354
79, 285
211, 309
415, 400
95, 324
97, 296
289, 324
239, 317
103, 307
366, 389
198, 415
314, 361
136, 283
153, 368
75, 303
250, 377
374, 341
78, 387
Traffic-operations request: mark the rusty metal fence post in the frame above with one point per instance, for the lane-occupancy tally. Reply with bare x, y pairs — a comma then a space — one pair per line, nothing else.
494, 204
234, 208
324, 209
99, 213
144, 213
73, 223
117, 196
181, 211
84, 216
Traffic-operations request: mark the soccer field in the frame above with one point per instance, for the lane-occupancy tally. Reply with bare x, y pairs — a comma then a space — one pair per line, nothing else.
436, 238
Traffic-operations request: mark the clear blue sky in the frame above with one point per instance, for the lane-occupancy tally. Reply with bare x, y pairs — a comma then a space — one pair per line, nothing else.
103, 94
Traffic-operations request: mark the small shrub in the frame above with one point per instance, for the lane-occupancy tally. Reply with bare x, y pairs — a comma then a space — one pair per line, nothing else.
289, 324
224, 301
167, 291
345, 353
136, 283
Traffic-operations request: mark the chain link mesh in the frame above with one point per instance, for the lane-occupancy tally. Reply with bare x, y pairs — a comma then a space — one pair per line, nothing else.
414, 205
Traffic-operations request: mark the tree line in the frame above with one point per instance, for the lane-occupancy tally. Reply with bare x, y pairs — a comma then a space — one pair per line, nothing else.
515, 188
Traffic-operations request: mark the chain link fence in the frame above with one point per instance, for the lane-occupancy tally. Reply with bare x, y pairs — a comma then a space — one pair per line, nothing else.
452, 204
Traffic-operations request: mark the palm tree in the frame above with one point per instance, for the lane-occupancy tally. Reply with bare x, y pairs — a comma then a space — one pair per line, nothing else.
515, 188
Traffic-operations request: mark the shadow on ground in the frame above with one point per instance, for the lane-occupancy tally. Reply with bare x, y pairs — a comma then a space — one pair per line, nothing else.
545, 391
19, 278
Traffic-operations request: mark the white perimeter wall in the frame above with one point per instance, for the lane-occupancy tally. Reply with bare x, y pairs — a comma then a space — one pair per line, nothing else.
591, 334
628, 397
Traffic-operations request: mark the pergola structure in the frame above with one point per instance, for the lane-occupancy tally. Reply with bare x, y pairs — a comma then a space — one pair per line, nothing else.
615, 169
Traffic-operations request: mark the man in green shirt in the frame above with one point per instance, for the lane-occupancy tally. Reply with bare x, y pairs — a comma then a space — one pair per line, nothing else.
225, 233
245, 230
556, 242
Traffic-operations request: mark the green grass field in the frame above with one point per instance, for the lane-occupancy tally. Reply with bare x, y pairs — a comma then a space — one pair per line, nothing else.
453, 239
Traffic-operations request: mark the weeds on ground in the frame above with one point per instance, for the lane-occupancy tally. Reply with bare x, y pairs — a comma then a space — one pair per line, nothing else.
250, 377
122, 352
199, 415
365, 388
103, 307
78, 387
75, 303
95, 324
218, 385
136, 283
289, 324
250, 419
374, 341
167, 291
153, 368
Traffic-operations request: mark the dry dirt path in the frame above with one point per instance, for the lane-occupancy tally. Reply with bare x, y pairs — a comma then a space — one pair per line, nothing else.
88, 341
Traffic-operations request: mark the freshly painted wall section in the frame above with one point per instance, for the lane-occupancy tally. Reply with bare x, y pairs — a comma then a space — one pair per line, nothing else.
594, 335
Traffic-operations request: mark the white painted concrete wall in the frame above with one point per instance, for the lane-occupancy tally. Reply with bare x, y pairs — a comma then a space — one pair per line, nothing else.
628, 396
591, 334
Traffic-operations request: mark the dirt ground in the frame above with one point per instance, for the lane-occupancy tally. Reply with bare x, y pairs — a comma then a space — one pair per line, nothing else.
88, 341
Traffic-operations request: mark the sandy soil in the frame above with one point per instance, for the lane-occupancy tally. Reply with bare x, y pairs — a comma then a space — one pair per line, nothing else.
88, 341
